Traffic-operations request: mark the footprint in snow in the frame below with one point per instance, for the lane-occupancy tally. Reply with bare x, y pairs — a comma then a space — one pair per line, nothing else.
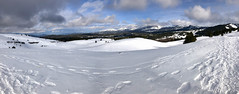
154, 66
194, 66
138, 69
122, 84
112, 72
198, 77
40, 64
73, 70
108, 90
150, 79
117, 87
201, 67
50, 67
176, 72
85, 70
96, 73
184, 88
209, 62
55, 92
77, 93
162, 74
60, 67
31, 72
48, 83
186, 54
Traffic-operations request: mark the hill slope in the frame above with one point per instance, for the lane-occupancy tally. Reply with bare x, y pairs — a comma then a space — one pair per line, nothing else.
208, 66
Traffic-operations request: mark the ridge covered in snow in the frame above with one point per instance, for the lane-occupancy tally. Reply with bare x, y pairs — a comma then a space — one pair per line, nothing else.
94, 44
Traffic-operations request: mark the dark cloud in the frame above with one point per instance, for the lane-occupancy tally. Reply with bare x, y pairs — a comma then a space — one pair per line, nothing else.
149, 22
235, 2
53, 18
22, 13
127, 5
14, 21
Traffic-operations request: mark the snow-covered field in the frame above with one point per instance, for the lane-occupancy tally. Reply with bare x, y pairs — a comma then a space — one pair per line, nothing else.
130, 66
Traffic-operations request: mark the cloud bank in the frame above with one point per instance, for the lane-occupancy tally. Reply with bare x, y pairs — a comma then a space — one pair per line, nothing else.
24, 13
208, 17
129, 4
168, 3
50, 15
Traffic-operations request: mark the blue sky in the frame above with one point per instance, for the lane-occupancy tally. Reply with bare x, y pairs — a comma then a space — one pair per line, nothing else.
102, 15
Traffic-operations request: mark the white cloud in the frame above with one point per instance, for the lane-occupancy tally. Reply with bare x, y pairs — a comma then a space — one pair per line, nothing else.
150, 22
92, 7
92, 20
167, 3
198, 13
130, 4
96, 27
68, 14
232, 2
181, 22
142, 4
147, 22
204, 16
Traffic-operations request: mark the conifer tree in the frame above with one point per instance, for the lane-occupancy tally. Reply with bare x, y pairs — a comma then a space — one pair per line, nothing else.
190, 38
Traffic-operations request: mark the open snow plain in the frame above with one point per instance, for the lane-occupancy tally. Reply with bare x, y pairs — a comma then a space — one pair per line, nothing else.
130, 66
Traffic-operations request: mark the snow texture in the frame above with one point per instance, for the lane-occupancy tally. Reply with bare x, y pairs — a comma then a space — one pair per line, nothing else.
129, 66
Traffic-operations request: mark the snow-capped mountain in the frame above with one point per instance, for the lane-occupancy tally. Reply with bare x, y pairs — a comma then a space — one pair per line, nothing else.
232, 26
218, 29
158, 29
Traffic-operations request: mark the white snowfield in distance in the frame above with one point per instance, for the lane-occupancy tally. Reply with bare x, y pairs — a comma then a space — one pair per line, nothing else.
30, 65
108, 45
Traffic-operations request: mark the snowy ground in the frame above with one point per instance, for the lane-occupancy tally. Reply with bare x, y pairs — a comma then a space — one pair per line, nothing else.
131, 66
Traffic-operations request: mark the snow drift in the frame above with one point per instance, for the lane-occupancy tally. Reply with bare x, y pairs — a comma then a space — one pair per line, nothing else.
208, 66
133, 44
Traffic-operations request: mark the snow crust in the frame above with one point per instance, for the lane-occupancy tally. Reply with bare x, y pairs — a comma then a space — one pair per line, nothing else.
208, 66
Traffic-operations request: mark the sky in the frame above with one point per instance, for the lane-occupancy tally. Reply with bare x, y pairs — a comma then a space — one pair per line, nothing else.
83, 16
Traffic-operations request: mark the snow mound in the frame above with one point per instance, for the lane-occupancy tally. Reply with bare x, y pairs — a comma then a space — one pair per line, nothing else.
132, 45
